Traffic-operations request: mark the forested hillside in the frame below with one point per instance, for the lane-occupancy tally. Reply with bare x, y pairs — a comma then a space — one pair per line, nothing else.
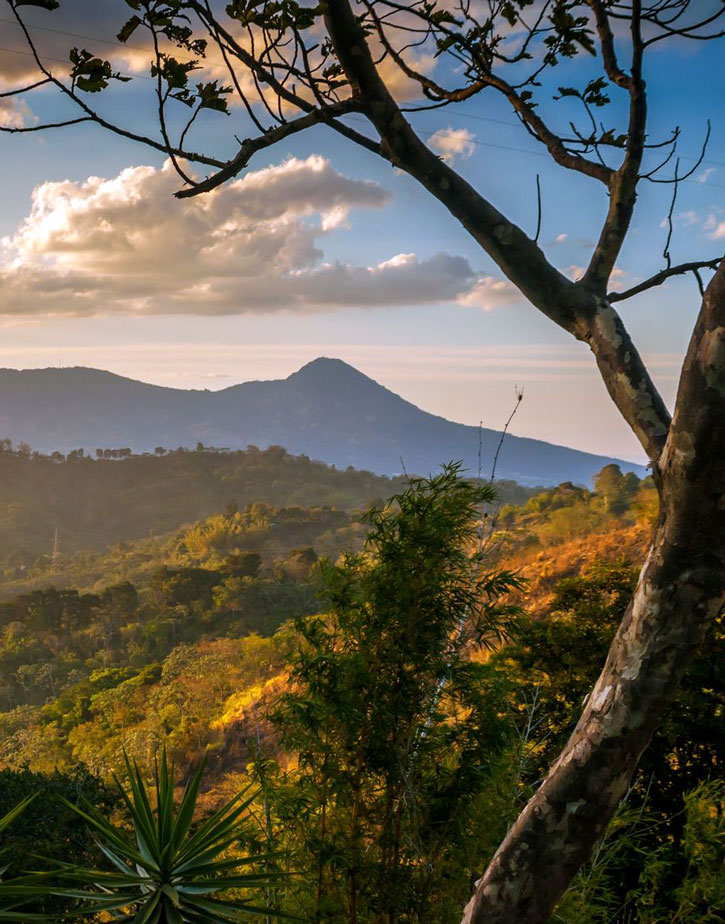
198, 636
114, 620
113, 496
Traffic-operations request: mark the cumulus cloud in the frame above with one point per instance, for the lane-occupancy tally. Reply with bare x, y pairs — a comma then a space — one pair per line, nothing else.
451, 143
714, 226
124, 244
489, 293
15, 113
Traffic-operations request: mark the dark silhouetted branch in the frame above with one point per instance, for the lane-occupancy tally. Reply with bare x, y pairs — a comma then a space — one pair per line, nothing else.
693, 267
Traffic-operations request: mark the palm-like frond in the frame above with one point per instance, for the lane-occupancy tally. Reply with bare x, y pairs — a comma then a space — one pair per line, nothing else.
15, 892
165, 872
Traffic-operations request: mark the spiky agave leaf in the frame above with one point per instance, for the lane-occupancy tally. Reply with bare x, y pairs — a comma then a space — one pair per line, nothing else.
14, 893
165, 873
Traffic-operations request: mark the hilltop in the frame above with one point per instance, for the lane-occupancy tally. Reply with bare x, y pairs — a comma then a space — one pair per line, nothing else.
326, 410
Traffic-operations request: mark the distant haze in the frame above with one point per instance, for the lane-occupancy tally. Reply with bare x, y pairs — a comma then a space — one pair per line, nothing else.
327, 410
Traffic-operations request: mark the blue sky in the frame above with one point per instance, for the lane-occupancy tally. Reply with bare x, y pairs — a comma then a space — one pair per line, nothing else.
418, 324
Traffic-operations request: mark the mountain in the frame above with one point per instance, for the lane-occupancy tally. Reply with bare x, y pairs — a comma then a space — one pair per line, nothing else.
327, 410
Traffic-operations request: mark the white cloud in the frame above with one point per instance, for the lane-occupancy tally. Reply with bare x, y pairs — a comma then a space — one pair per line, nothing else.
618, 278
718, 231
705, 175
124, 244
710, 223
15, 113
689, 218
560, 238
489, 293
452, 142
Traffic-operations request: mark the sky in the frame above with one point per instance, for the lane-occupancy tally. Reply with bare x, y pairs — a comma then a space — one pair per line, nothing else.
321, 248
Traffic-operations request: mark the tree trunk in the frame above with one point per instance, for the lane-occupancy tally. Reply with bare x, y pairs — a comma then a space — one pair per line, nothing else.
681, 585
680, 590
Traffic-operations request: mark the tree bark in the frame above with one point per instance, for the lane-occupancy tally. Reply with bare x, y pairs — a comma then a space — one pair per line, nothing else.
680, 590
681, 585
578, 308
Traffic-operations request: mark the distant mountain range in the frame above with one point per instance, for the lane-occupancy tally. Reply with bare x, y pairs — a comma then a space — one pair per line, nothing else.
327, 410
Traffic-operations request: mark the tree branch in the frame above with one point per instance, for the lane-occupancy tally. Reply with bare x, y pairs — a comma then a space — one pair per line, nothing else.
250, 146
679, 593
33, 86
531, 120
573, 306
662, 276
25, 129
606, 40
623, 182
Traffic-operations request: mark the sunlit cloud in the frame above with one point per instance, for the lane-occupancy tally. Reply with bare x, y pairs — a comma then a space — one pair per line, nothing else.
125, 245
490, 293
451, 143
15, 113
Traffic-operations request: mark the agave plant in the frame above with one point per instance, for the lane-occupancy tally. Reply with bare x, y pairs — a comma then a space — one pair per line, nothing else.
14, 892
8, 819
167, 871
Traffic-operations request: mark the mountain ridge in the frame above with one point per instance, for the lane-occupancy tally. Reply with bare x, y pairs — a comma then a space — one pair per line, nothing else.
327, 410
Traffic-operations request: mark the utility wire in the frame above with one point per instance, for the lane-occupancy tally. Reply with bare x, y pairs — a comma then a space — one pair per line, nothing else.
422, 132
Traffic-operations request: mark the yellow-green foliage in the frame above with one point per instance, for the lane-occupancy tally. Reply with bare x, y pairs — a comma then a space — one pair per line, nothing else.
568, 511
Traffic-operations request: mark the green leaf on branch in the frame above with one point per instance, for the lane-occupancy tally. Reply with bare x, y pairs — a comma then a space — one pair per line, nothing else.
91, 74
211, 96
128, 29
174, 72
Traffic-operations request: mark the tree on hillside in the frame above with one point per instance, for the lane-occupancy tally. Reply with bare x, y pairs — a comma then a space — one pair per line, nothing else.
616, 489
394, 739
294, 66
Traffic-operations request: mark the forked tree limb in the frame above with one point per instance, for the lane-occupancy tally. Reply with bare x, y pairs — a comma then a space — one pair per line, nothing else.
665, 274
623, 183
681, 589
574, 306
681, 585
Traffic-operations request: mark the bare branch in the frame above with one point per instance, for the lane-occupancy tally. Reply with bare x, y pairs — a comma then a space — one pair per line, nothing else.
250, 146
623, 182
33, 86
26, 129
693, 267
606, 39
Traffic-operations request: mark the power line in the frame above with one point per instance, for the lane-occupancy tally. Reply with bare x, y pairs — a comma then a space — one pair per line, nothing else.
465, 115
28, 54
422, 132
529, 151
87, 38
